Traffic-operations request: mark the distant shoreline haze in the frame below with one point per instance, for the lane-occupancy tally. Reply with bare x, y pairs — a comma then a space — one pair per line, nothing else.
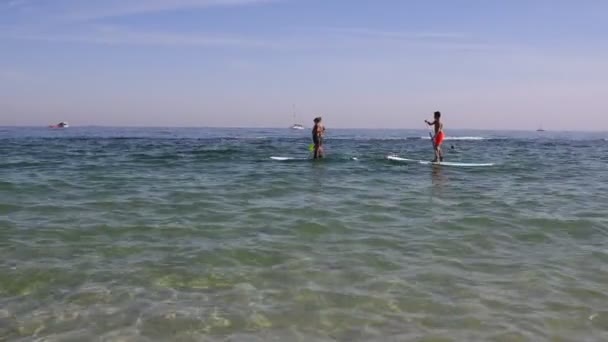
455, 131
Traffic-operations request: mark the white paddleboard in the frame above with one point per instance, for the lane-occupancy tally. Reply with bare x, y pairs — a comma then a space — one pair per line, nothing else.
291, 158
285, 158
424, 162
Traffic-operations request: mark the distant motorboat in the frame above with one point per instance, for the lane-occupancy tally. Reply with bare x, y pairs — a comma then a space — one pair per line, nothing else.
62, 124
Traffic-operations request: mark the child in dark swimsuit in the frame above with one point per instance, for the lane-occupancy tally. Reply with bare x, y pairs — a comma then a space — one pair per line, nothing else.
317, 138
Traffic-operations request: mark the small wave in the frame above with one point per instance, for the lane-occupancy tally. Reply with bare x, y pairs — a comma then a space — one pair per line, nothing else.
459, 138
359, 138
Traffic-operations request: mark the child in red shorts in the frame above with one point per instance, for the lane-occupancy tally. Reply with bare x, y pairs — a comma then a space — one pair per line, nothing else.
438, 137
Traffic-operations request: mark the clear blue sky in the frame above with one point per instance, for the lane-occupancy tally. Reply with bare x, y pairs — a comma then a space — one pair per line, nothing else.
360, 63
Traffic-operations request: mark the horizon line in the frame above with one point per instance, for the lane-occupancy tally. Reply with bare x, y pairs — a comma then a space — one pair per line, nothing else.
332, 128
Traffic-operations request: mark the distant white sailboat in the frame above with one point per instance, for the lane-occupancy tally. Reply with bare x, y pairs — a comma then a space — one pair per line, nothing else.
296, 126
540, 129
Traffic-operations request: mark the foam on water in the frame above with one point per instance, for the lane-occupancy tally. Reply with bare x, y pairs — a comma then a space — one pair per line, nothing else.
457, 138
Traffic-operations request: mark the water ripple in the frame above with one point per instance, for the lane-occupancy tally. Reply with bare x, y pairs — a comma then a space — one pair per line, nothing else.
190, 235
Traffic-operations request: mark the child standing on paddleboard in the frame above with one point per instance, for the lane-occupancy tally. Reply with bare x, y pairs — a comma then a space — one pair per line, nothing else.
317, 138
438, 137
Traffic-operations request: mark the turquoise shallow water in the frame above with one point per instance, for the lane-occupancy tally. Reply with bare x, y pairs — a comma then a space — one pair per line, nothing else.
196, 235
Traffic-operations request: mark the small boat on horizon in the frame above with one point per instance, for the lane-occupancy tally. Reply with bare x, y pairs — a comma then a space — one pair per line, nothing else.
296, 126
62, 124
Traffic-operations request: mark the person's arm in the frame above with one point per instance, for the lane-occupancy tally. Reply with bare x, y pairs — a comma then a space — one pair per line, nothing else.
430, 123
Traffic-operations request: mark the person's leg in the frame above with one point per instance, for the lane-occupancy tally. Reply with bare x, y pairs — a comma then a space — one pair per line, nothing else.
315, 141
321, 152
438, 141
436, 147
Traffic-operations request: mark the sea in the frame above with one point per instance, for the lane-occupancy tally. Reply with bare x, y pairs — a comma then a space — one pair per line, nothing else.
195, 234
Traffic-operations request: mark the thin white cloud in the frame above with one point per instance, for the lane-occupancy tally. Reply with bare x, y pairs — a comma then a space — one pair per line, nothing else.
16, 6
124, 36
393, 34
421, 39
16, 3
13, 75
51, 21
282, 40
89, 10
328, 38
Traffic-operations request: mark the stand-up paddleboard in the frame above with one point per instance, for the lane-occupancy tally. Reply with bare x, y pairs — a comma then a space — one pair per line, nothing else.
424, 162
287, 158
292, 158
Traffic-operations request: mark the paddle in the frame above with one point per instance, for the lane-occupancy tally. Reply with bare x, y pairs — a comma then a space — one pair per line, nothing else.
432, 137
